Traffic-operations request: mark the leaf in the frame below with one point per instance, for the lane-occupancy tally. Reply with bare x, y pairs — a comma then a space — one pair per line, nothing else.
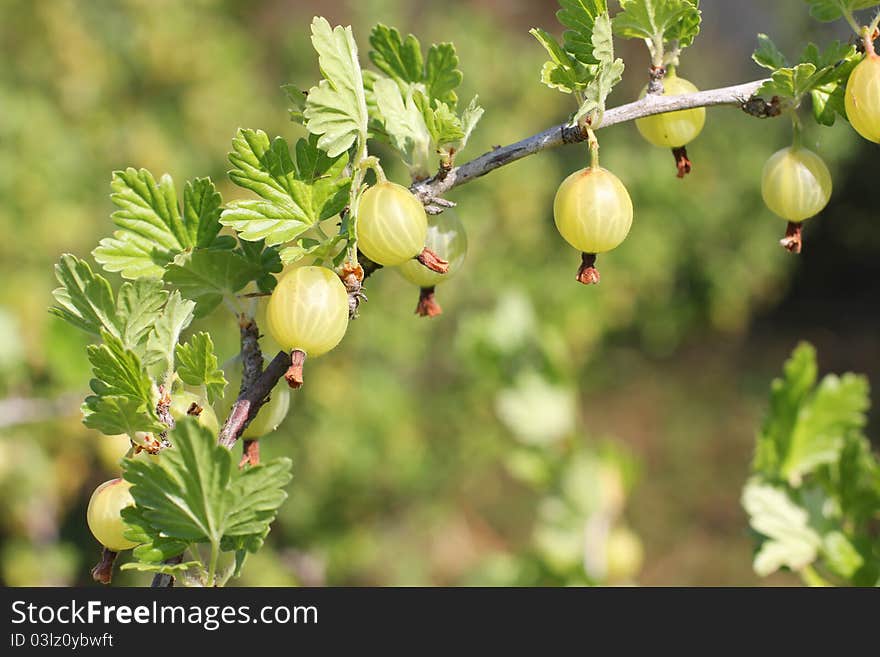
201, 212
404, 123
841, 555
118, 371
437, 74
265, 259
152, 230
768, 55
138, 307
789, 82
658, 21
442, 75
836, 408
207, 276
832, 10
607, 73
398, 58
856, 479
196, 494
117, 414
789, 541
336, 109
837, 61
820, 73
296, 193
85, 298
562, 71
197, 365
177, 315
153, 548
580, 16
786, 397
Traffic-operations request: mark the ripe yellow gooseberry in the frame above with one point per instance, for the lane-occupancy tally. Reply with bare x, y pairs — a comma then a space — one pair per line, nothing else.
103, 515
446, 237
308, 310
795, 183
593, 210
862, 98
391, 224
673, 129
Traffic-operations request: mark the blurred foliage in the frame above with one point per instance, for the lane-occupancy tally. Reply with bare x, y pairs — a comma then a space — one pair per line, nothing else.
499, 443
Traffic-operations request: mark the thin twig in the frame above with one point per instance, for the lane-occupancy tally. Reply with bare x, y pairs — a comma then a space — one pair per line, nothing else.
249, 403
429, 189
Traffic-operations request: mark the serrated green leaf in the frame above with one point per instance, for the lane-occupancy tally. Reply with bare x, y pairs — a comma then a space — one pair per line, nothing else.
685, 31
197, 365
836, 408
786, 397
442, 75
820, 73
606, 73
404, 124
789, 540
563, 72
832, 10
305, 247
85, 298
296, 193
201, 212
207, 276
176, 316
579, 17
470, 117
151, 228
117, 414
118, 370
196, 494
153, 548
336, 109
138, 306
828, 94
658, 21
265, 259
768, 55
398, 58
437, 74
790, 83
297, 98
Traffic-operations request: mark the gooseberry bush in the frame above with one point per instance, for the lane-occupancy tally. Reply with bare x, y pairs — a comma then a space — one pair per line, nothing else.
319, 216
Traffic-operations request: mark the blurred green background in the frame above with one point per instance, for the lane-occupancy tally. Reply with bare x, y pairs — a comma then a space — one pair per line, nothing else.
531, 432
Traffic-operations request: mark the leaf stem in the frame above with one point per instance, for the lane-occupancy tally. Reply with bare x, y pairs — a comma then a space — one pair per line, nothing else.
848, 15
212, 563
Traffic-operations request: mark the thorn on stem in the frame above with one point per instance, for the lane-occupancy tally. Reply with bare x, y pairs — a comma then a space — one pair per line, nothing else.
793, 240
428, 306
587, 272
103, 570
432, 261
681, 161
294, 374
